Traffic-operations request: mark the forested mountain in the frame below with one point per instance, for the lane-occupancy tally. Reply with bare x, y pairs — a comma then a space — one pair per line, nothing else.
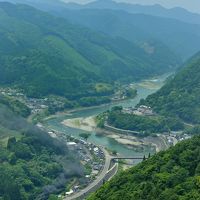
155, 10
183, 38
180, 96
45, 55
32, 164
45, 5
170, 175
176, 28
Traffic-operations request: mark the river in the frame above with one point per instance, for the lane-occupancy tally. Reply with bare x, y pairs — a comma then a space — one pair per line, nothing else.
144, 89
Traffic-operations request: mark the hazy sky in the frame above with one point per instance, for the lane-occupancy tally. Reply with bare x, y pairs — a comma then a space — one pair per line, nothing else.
192, 5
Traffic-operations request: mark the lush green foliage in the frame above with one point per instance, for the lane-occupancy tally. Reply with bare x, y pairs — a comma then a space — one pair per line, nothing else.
93, 101
15, 105
100, 119
32, 164
85, 135
178, 28
180, 97
26, 167
46, 55
170, 175
145, 124
192, 130
131, 93
182, 38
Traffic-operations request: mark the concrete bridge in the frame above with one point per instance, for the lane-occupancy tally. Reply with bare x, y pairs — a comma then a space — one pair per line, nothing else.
128, 158
109, 170
106, 174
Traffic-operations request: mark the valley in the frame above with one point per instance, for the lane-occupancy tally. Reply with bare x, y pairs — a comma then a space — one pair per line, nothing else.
71, 135
99, 100
70, 125
81, 121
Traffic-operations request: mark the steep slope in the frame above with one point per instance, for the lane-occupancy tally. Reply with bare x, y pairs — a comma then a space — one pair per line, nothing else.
45, 5
32, 164
45, 55
155, 10
170, 175
180, 96
183, 38
177, 27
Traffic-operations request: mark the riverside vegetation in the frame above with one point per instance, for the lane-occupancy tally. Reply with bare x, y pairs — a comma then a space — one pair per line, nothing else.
170, 175
43, 55
144, 125
173, 174
176, 105
180, 96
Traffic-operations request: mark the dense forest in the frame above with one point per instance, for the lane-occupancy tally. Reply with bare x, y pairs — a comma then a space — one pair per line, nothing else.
180, 97
78, 56
137, 29
178, 28
170, 175
32, 164
43, 55
15, 105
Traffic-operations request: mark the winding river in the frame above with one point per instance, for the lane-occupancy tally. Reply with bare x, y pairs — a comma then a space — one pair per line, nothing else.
144, 89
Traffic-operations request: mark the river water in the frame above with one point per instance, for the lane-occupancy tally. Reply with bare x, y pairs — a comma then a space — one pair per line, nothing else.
144, 89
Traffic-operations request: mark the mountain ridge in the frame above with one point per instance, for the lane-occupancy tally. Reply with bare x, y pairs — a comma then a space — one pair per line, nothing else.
49, 55
180, 37
180, 96
156, 10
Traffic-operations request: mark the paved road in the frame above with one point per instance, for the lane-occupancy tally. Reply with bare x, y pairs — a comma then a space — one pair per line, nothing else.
97, 182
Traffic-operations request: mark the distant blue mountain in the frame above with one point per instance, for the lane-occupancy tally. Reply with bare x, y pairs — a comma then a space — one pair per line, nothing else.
177, 28
155, 10
181, 37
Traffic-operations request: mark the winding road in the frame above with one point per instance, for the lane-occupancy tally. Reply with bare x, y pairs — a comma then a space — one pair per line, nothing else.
102, 177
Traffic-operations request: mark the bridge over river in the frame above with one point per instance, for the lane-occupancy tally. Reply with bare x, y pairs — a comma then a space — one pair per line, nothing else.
128, 158
109, 170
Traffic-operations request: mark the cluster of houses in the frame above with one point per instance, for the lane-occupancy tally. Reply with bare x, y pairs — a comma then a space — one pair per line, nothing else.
11, 92
87, 152
174, 137
180, 136
74, 189
36, 105
141, 111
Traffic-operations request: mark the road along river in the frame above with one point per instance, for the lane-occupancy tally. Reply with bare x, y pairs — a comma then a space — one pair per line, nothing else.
144, 89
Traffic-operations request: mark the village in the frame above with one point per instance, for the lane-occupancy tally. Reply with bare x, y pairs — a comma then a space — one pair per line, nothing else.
54, 103
140, 111
90, 156
36, 105
170, 138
